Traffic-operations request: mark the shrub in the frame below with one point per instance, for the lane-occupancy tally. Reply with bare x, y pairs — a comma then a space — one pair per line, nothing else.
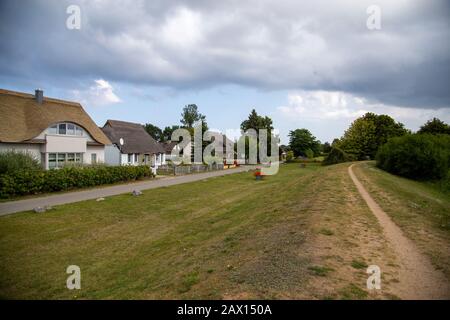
309, 153
417, 156
289, 156
25, 182
336, 155
12, 161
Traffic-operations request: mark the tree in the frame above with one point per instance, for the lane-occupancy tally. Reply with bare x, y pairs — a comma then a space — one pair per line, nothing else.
258, 122
289, 156
300, 140
326, 147
190, 116
154, 131
336, 155
367, 133
435, 126
167, 132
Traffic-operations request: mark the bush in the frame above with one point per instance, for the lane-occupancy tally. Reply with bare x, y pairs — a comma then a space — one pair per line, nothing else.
418, 156
336, 155
12, 161
309, 153
25, 182
289, 156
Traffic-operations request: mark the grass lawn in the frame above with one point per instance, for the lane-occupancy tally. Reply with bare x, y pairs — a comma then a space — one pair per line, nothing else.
303, 233
158, 245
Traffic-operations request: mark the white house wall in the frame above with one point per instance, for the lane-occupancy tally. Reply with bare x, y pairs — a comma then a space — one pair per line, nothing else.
99, 150
112, 155
64, 144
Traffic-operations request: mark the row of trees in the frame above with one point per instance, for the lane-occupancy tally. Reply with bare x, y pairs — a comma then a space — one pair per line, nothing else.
368, 133
361, 141
189, 117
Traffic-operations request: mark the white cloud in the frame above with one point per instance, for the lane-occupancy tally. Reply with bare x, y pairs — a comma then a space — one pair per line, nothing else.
324, 106
99, 94
321, 105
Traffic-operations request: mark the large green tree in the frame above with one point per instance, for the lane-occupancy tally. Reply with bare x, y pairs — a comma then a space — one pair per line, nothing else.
256, 122
191, 115
435, 126
367, 133
154, 131
301, 141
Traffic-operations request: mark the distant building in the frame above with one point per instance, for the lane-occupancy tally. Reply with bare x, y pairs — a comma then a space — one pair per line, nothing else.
137, 146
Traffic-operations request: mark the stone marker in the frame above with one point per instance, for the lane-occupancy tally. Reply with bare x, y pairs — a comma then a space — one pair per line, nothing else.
39, 210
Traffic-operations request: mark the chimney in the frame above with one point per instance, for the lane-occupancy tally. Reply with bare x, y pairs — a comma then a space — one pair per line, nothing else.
39, 95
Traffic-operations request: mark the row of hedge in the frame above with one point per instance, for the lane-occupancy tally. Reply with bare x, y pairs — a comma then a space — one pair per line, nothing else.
27, 182
416, 156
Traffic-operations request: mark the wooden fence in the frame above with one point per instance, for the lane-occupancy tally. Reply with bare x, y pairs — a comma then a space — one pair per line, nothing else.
187, 169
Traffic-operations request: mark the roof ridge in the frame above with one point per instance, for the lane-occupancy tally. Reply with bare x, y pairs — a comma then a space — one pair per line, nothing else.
124, 122
29, 95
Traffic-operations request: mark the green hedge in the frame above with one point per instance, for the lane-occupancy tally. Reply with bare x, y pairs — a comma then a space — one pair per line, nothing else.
417, 156
26, 182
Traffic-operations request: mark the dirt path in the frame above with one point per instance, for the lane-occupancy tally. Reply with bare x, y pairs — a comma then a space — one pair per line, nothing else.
418, 279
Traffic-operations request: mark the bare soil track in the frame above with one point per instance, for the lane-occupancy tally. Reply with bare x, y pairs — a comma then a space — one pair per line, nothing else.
418, 279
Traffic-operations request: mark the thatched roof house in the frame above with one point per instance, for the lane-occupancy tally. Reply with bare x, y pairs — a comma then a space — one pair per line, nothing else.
53, 131
138, 146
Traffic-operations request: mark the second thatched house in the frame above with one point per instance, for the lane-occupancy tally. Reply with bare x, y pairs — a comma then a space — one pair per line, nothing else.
132, 145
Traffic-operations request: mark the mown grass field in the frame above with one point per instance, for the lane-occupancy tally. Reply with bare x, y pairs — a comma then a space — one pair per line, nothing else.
304, 233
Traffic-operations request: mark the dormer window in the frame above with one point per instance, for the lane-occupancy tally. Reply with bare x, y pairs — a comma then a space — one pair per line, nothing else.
66, 129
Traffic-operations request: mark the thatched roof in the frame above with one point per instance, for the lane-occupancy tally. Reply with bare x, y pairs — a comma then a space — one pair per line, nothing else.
22, 118
169, 145
136, 139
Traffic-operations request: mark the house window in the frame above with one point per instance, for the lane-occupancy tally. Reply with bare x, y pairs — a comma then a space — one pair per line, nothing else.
58, 160
52, 160
70, 129
61, 158
135, 157
130, 158
53, 129
93, 158
62, 128
67, 129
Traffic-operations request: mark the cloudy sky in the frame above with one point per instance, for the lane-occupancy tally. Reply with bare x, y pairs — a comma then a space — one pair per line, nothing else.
312, 64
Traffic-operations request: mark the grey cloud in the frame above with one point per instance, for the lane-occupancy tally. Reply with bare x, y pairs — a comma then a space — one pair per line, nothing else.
313, 45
